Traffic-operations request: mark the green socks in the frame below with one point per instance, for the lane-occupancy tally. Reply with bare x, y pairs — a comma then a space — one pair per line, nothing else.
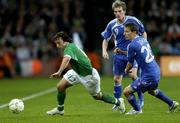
109, 99
60, 98
105, 97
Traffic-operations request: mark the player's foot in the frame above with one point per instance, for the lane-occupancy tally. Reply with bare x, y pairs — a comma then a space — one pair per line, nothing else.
132, 111
120, 106
55, 111
173, 107
115, 107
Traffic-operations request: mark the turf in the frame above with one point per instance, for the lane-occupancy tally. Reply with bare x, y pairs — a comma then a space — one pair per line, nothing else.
80, 107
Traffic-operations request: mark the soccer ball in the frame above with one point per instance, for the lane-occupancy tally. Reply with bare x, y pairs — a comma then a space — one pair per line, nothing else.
16, 106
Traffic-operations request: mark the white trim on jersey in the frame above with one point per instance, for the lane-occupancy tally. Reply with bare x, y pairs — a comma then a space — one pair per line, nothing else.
67, 56
134, 18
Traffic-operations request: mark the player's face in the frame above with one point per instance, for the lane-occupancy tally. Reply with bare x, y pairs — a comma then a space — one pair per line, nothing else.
119, 13
59, 43
127, 33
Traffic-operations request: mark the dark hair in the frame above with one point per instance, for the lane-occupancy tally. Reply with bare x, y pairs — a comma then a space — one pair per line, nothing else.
132, 27
62, 35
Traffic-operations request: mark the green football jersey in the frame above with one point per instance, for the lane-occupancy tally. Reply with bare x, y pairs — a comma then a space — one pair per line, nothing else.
79, 60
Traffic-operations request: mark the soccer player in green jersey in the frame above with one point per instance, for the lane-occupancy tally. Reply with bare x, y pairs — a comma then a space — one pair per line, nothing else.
81, 72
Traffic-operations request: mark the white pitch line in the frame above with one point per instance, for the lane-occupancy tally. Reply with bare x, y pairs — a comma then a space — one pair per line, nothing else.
32, 96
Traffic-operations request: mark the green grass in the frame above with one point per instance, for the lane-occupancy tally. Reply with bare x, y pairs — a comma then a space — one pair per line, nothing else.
80, 107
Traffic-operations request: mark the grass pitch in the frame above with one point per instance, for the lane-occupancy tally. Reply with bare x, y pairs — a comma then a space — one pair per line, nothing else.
80, 107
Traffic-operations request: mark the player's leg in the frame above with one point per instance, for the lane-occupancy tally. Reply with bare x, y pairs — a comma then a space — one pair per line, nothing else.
93, 87
112, 100
61, 87
134, 77
129, 93
160, 95
118, 93
118, 71
92, 84
68, 80
140, 100
106, 98
118, 86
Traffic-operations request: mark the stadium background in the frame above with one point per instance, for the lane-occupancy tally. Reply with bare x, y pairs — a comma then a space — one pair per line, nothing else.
26, 27
26, 54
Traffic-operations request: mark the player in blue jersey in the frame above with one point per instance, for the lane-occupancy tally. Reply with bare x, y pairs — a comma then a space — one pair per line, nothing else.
140, 50
115, 29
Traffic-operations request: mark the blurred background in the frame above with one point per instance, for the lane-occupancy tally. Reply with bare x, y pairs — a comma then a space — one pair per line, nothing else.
26, 27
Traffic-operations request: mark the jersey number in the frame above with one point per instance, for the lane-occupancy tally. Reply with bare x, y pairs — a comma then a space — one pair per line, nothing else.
149, 57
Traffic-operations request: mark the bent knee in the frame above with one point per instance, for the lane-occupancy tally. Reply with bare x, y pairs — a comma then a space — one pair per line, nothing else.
117, 79
61, 87
153, 92
98, 96
133, 76
127, 91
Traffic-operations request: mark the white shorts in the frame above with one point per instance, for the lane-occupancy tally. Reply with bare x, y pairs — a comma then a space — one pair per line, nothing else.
90, 82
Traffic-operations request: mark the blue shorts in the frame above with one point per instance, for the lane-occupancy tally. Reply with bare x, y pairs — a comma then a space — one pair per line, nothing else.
119, 65
139, 85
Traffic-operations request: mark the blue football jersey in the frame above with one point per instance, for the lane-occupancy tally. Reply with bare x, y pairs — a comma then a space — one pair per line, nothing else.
116, 29
140, 50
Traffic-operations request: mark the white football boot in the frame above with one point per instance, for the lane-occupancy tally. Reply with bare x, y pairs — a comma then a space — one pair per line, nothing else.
132, 111
55, 111
173, 107
121, 106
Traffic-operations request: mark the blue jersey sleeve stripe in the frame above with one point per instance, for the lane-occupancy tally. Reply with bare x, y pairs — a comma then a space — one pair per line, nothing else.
107, 33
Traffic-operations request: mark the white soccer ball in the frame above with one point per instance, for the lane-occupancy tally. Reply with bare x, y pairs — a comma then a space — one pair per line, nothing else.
16, 105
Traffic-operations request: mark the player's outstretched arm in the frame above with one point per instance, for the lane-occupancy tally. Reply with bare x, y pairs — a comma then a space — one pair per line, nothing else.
64, 64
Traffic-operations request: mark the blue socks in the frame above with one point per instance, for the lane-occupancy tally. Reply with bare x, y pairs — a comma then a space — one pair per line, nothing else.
163, 97
140, 98
139, 93
117, 91
132, 100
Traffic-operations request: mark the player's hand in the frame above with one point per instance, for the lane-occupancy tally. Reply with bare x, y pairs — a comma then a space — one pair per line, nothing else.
128, 71
54, 75
105, 55
117, 50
